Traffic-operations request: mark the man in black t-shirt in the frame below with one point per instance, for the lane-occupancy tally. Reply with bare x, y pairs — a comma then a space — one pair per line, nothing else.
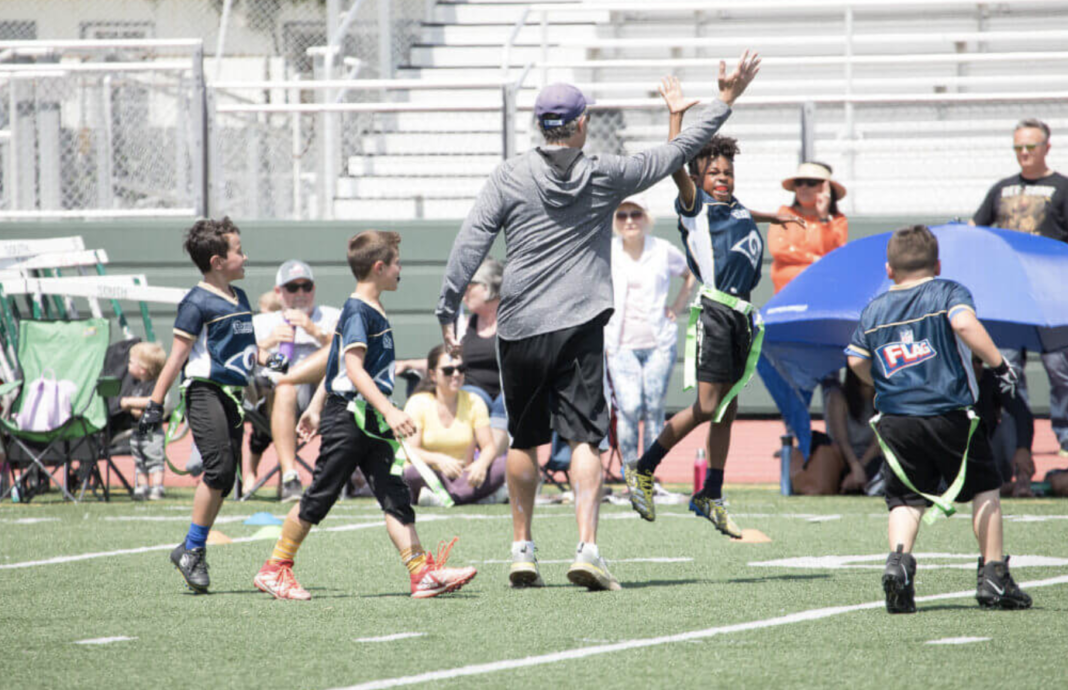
1035, 201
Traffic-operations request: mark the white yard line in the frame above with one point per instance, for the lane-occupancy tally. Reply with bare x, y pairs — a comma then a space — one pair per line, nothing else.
105, 640
959, 640
610, 560
583, 652
390, 638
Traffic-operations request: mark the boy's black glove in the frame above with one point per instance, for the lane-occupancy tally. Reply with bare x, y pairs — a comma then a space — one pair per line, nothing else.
1007, 379
151, 419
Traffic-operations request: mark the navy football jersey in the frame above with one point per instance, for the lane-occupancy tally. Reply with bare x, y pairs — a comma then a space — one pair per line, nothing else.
361, 325
723, 246
220, 326
919, 365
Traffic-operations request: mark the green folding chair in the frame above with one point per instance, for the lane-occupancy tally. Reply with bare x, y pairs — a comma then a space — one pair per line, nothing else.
75, 351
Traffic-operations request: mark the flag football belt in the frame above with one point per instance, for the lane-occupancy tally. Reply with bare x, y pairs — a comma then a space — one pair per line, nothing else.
360, 413
944, 503
235, 393
752, 319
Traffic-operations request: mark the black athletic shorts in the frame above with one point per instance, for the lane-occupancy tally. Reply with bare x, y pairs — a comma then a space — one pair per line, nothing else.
345, 447
217, 430
555, 381
929, 450
724, 338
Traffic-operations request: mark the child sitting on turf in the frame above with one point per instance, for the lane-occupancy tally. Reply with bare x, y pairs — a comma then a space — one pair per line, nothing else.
213, 330
920, 333
360, 426
145, 362
724, 250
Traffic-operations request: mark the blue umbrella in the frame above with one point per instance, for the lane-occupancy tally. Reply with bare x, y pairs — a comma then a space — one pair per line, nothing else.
1018, 282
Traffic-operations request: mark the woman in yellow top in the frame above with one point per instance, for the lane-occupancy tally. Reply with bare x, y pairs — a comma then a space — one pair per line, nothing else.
794, 247
450, 423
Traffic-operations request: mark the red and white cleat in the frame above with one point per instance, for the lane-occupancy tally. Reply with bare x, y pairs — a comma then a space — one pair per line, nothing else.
435, 578
277, 579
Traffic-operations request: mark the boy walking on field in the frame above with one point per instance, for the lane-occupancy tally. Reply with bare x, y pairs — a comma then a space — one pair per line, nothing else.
215, 350
915, 344
360, 426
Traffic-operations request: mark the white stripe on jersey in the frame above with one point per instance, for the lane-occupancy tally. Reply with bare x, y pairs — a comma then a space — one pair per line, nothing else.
699, 242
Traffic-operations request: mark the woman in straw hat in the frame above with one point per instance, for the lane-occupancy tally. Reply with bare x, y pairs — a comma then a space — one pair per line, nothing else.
794, 247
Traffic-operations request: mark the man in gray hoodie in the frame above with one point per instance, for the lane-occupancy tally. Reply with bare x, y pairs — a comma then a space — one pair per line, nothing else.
555, 206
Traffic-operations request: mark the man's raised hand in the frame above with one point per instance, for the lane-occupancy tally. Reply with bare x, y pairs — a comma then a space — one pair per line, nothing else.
732, 86
671, 91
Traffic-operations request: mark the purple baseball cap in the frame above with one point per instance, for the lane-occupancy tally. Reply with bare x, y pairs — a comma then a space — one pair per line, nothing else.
558, 104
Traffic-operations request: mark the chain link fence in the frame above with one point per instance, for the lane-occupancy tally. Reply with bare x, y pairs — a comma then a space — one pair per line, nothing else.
101, 132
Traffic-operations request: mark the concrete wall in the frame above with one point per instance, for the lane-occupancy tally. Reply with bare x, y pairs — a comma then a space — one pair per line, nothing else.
155, 249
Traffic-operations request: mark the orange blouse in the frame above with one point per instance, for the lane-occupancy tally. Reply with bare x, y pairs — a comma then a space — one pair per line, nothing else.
793, 249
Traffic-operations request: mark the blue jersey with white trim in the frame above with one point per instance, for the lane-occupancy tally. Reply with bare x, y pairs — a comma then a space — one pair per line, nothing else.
224, 340
361, 325
919, 365
723, 245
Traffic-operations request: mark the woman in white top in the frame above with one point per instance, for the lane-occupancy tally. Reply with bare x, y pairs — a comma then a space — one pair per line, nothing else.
640, 339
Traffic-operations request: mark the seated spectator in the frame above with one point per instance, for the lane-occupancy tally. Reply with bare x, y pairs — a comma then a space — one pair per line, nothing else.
1010, 426
795, 247
847, 458
450, 423
145, 363
309, 328
478, 347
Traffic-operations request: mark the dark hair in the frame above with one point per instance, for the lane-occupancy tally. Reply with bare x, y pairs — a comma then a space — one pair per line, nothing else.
369, 247
427, 385
833, 208
718, 146
207, 238
1033, 122
911, 249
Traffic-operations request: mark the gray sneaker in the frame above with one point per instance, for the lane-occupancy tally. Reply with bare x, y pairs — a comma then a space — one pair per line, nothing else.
590, 571
156, 493
524, 570
291, 490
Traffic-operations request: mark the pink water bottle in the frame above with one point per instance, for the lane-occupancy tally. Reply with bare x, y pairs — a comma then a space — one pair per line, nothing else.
700, 469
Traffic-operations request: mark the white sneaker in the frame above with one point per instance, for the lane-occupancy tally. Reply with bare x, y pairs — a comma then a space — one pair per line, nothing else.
524, 570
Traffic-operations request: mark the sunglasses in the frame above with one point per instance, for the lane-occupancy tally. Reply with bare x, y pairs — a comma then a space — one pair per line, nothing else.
632, 215
1025, 147
296, 287
807, 183
449, 371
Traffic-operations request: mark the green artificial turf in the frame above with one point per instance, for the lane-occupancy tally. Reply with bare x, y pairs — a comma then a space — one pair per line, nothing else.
237, 637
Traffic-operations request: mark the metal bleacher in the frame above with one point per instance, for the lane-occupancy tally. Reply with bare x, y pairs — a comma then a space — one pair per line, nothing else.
912, 102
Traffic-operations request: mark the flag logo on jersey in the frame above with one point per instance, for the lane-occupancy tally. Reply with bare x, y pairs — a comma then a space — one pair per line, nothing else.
904, 353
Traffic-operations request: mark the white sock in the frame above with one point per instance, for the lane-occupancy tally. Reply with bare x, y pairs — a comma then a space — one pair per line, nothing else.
290, 476
519, 547
588, 548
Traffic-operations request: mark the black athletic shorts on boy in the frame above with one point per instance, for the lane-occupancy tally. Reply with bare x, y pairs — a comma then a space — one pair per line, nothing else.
345, 447
724, 338
217, 430
555, 381
929, 450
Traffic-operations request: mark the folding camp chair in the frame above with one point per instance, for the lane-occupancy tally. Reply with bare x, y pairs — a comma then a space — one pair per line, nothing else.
75, 351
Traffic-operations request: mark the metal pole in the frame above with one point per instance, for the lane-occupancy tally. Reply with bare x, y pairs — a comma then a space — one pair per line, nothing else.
201, 137
12, 181
385, 40
850, 129
105, 150
544, 48
296, 156
808, 132
220, 42
508, 121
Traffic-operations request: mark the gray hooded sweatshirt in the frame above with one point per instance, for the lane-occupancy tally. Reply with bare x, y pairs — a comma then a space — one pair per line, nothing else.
556, 205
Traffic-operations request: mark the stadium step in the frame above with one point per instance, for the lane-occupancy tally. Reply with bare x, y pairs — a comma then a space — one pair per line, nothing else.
403, 143
485, 56
494, 34
400, 187
367, 166
505, 13
415, 208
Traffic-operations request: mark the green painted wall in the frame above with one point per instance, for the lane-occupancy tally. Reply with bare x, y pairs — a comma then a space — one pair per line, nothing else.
155, 249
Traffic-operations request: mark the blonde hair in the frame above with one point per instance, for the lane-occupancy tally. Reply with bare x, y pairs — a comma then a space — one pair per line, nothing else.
649, 221
270, 301
152, 357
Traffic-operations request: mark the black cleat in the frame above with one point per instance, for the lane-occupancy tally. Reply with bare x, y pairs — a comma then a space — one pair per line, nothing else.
193, 565
995, 588
898, 582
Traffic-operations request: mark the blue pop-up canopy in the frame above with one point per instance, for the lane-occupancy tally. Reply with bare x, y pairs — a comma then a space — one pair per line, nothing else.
1019, 283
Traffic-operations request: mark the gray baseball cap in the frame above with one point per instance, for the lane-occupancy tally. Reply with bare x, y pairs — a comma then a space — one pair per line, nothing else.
294, 269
